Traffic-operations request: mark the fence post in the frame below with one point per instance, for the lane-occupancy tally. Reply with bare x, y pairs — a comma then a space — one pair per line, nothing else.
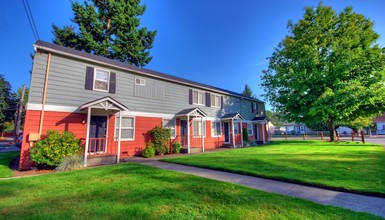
322, 136
362, 137
303, 136
338, 136
286, 135
352, 134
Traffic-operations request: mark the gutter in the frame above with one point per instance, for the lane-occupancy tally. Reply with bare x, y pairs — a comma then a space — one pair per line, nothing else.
136, 71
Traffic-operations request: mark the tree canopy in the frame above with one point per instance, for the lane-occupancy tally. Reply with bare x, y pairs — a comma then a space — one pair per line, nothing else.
109, 28
7, 102
328, 68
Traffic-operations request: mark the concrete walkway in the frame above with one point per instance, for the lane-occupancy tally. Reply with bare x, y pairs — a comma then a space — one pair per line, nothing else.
355, 202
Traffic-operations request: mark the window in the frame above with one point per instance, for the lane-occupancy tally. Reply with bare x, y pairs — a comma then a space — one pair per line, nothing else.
197, 128
254, 107
383, 127
236, 128
216, 129
215, 101
170, 123
139, 81
101, 80
127, 128
249, 129
198, 98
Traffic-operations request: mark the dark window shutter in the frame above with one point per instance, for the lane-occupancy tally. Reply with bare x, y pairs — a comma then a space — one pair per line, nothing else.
208, 99
190, 98
112, 87
252, 107
221, 101
89, 78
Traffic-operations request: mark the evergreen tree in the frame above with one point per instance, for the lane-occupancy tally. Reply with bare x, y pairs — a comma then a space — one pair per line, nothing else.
247, 91
328, 69
108, 28
7, 102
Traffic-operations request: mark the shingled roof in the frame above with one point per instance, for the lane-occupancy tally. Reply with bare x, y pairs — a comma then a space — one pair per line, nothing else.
53, 48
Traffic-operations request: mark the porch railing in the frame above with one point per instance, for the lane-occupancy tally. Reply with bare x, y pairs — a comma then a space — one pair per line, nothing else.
102, 146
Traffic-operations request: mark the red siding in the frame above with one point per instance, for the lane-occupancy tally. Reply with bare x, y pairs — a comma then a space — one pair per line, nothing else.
60, 121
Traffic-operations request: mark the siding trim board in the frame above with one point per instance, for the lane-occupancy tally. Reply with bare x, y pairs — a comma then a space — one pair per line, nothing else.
48, 47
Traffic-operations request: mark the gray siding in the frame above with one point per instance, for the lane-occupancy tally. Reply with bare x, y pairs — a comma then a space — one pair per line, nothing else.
67, 80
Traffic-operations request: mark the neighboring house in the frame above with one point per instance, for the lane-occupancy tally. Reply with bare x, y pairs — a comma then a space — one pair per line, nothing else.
380, 123
344, 130
296, 128
111, 106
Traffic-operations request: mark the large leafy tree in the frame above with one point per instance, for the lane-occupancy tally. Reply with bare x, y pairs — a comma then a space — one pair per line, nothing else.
328, 68
7, 102
109, 28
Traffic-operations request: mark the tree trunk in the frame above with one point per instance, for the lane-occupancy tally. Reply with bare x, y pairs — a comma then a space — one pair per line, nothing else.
331, 129
107, 36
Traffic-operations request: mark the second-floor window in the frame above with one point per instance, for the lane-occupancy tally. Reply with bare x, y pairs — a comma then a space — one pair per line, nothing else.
215, 101
198, 98
254, 107
101, 80
139, 81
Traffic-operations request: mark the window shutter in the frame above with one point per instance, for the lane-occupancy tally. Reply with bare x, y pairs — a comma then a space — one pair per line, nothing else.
112, 87
221, 101
190, 98
208, 99
89, 78
252, 107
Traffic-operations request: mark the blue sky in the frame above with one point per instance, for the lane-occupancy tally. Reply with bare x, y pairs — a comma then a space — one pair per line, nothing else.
223, 43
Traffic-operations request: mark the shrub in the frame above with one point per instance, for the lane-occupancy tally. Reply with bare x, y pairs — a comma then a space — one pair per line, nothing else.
149, 151
161, 137
245, 134
176, 147
55, 147
74, 162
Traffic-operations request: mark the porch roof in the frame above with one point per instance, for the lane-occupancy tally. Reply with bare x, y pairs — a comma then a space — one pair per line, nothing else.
106, 103
235, 115
260, 119
195, 112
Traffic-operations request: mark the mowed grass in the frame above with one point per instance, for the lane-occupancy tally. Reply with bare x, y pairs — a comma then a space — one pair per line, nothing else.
5, 159
133, 191
347, 166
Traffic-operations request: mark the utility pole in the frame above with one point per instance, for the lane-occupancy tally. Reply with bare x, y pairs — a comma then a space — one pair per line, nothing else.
19, 110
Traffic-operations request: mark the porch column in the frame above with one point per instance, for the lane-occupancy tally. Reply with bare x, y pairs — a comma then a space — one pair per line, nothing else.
242, 133
263, 132
119, 136
232, 129
203, 140
188, 134
87, 135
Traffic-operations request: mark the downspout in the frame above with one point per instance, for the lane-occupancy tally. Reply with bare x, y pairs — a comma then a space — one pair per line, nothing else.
44, 94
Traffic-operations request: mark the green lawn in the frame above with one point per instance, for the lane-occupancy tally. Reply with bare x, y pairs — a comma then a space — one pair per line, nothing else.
349, 166
133, 191
5, 159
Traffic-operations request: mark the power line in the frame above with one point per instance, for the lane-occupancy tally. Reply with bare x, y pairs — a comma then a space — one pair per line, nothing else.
30, 19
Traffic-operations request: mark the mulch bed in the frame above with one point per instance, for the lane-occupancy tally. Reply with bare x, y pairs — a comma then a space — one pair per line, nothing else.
14, 165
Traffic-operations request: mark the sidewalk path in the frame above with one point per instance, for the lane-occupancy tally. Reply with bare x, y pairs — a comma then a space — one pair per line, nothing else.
355, 202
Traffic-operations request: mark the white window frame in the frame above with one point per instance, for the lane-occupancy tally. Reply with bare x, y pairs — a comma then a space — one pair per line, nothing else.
212, 100
117, 128
203, 97
199, 127
213, 129
236, 127
174, 128
108, 80
248, 131
142, 82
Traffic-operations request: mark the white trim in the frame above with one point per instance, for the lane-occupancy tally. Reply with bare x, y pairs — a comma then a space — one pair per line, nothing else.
173, 119
133, 131
252, 130
203, 97
140, 72
60, 108
220, 126
211, 100
108, 80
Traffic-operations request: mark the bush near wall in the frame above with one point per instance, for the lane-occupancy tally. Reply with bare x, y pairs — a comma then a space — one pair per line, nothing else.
160, 137
55, 147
